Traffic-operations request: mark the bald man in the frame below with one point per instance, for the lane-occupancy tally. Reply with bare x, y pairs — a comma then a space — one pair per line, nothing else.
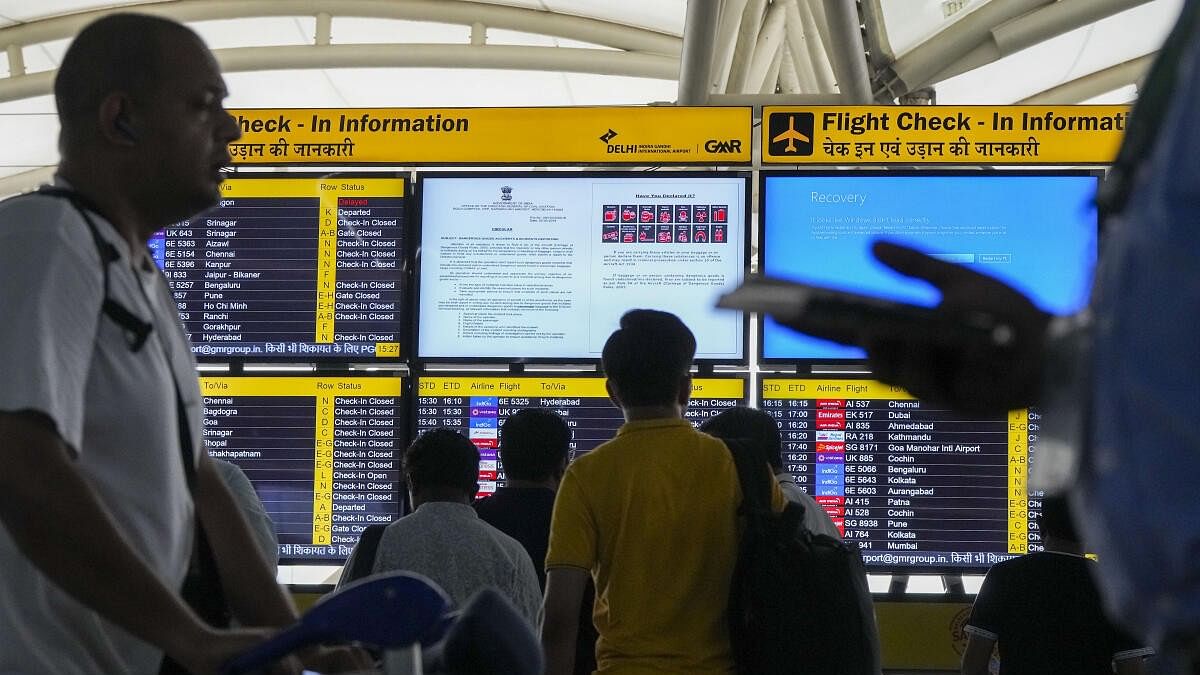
105, 475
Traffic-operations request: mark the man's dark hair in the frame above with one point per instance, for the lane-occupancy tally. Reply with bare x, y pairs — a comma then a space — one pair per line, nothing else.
646, 357
119, 52
534, 444
758, 429
442, 458
1056, 520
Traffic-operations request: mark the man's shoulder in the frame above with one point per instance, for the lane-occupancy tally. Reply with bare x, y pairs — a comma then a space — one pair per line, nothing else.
1046, 562
38, 214
509, 502
38, 228
1043, 569
513, 550
669, 435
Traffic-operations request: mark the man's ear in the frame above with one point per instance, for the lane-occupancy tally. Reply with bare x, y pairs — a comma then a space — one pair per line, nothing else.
114, 119
685, 390
612, 392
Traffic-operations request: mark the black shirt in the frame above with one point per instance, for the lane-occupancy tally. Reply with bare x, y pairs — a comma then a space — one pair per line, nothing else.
1044, 612
523, 514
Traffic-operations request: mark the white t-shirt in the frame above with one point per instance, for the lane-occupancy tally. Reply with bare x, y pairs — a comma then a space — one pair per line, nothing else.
113, 407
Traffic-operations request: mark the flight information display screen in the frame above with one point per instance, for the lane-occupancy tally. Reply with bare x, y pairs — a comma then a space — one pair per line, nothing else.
913, 485
323, 454
542, 266
1034, 231
478, 405
292, 268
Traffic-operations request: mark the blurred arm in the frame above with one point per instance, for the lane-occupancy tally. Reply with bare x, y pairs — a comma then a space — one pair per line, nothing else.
560, 622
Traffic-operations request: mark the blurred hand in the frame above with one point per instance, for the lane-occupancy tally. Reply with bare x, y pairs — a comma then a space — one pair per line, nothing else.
971, 377
207, 653
337, 660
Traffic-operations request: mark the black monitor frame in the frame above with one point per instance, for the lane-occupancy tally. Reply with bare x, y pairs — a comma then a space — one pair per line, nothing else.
403, 406
805, 364
418, 203
405, 276
417, 376
893, 569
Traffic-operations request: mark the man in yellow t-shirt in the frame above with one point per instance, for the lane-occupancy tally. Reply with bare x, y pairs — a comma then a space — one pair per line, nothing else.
652, 516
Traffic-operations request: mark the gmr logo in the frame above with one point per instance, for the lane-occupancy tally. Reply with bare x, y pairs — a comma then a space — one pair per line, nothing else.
713, 145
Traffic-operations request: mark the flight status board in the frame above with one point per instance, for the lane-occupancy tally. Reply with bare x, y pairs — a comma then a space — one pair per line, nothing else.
912, 484
291, 268
323, 454
477, 406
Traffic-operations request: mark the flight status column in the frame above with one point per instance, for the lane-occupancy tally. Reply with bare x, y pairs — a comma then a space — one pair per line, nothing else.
291, 267
911, 483
478, 406
322, 453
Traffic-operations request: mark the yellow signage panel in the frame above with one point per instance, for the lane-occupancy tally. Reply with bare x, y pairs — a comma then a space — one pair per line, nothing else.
922, 635
576, 135
1014, 135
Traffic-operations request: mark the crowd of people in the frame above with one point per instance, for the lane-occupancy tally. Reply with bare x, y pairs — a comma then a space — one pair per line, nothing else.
112, 509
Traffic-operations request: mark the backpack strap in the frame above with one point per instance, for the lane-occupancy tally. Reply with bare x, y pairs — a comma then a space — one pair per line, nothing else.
756, 492
364, 557
138, 330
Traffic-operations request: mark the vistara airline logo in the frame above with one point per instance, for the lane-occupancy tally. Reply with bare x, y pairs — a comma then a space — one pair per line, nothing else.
608, 135
791, 133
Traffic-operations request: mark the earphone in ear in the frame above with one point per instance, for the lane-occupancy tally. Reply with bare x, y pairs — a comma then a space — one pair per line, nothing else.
124, 128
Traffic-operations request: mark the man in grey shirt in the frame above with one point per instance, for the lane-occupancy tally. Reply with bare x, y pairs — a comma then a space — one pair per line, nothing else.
253, 510
444, 540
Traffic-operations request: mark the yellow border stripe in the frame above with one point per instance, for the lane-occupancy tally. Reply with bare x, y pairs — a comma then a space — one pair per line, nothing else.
300, 386
311, 187
792, 388
1018, 481
555, 387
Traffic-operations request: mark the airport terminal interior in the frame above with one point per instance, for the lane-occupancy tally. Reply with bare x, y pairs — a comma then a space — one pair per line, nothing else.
438, 209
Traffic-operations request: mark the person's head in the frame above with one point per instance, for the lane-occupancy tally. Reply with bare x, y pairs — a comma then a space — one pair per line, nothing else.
758, 429
534, 445
441, 466
1058, 529
648, 360
140, 104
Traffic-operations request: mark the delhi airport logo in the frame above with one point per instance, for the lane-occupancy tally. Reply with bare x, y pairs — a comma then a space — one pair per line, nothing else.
608, 136
506, 193
791, 133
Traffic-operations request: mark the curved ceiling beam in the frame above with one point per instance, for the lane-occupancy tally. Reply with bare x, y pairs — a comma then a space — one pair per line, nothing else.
1094, 84
700, 29
917, 66
25, 181
489, 57
847, 52
581, 29
1026, 31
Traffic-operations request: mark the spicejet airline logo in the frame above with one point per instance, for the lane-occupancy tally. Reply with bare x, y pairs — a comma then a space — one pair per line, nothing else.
791, 133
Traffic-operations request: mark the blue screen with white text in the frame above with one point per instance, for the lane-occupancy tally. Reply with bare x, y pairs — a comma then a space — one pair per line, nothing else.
1035, 232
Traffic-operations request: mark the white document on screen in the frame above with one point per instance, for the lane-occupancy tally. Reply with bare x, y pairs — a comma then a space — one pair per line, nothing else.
543, 267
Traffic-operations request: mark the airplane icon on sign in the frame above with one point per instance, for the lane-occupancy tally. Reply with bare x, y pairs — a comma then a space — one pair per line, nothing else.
791, 135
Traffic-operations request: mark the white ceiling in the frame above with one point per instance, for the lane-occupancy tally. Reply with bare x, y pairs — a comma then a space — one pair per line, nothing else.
28, 128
